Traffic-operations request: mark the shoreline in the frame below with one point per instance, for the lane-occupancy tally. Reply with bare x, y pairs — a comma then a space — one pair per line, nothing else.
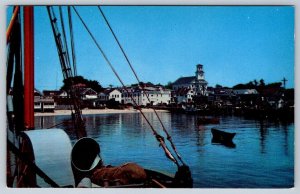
95, 111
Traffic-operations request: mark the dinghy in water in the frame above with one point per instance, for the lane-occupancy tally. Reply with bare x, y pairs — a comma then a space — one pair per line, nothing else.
222, 137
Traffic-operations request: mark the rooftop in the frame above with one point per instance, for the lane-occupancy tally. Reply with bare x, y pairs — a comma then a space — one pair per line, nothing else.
185, 80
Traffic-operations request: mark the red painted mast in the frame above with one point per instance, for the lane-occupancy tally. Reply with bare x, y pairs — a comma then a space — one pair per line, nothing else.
28, 68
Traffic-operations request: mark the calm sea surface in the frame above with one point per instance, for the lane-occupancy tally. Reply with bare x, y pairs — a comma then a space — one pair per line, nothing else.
262, 158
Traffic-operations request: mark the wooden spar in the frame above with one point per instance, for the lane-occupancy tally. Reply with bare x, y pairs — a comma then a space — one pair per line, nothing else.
28, 68
11, 23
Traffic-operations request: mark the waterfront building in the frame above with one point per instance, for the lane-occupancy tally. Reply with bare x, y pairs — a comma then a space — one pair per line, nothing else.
62, 98
196, 83
184, 95
245, 91
51, 93
82, 93
157, 95
109, 94
275, 97
223, 96
88, 94
247, 97
43, 104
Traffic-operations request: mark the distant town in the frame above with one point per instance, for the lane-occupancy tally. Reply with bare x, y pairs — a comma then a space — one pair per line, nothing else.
186, 94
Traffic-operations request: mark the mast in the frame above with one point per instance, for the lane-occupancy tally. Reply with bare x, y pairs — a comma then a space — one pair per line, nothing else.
28, 68
64, 58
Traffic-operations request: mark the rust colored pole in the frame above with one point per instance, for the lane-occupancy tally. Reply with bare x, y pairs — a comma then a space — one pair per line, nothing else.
28, 68
11, 23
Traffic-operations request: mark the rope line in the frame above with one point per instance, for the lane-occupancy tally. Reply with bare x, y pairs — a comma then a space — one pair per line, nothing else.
158, 137
72, 41
67, 56
169, 138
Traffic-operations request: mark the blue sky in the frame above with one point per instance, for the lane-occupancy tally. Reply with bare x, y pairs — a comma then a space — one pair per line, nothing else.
236, 44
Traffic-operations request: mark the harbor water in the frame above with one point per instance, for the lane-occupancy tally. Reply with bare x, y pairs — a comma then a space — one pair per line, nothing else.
263, 156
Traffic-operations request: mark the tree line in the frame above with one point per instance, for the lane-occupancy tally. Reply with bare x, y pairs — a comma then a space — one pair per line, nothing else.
95, 85
257, 85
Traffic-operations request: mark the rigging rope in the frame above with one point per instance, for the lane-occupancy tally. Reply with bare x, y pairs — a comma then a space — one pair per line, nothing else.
64, 37
158, 137
169, 138
72, 41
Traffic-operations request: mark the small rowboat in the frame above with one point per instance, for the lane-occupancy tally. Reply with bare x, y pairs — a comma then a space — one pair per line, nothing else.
222, 136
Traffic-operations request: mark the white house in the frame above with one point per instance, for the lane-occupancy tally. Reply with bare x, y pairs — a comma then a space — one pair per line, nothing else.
115, 94
83, 93
88, 93
155, 97
130, 95
184, 95
245, 91
111, 93
146, 96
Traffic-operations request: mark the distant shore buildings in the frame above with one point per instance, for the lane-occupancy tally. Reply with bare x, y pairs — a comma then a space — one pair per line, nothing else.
192, 91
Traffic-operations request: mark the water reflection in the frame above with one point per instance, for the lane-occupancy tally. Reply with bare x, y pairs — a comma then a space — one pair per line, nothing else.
263, 149
200, 132
283, 132
229, 144
285, 136
263, 130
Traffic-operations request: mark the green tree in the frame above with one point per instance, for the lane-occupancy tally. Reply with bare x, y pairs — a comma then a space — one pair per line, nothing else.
169, 85
250, 85
255, 83
81, 80
239, 86
274, 85
218, 86
262, 83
